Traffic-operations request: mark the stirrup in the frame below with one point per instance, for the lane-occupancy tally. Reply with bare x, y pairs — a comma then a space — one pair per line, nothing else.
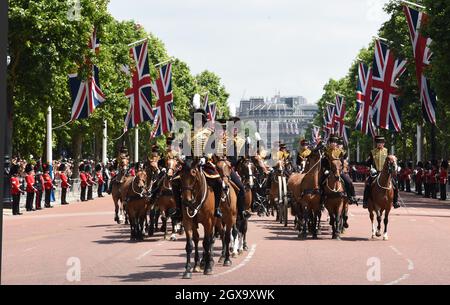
217, 213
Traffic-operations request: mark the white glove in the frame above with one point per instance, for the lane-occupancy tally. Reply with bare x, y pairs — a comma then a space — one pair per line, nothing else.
202, 161
373, 171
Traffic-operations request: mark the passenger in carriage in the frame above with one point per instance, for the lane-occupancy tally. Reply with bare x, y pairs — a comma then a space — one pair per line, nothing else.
376, 161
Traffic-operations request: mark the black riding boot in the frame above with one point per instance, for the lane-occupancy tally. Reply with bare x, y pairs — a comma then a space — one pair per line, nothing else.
176, 188
217, 188
349, 189
240, 195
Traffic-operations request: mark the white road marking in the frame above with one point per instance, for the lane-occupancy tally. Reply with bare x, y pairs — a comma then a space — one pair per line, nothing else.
410, 264
395, 250
144, 254
242, 264
410, 268
404, 277
29, 249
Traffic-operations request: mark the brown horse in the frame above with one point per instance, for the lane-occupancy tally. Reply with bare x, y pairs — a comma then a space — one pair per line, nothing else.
165, 200
115, 191
134, 192
335, 196
228, 206
198, 208
381, 196
305, 190
247, 171
260, 196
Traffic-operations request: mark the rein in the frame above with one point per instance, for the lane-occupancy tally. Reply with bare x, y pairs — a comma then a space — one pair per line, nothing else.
141, 194
205, 192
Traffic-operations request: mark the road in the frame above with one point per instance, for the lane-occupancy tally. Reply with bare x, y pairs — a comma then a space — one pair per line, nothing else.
41, 247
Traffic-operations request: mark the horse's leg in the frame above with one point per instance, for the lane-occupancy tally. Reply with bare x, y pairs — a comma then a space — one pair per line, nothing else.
188, 269
386, 220
245, 234
372, 216
196, 238
305, 221
337, 222
379, 223
227, 261
151, 227
235, 235
222, 238
207, 241
313, 217
116, 210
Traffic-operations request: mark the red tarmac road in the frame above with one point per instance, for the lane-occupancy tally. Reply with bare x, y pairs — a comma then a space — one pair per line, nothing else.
37, 248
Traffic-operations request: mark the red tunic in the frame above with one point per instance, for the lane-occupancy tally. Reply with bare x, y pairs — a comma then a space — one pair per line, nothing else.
15, 186
64, 182
419, 176
407, 174
48, 185
89, 179
443, 176
83, 179
100, 180
29, 179
132, 172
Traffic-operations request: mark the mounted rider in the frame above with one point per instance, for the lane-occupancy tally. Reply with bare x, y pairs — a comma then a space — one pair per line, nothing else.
335, 150
302, 154
234, 157
376, 162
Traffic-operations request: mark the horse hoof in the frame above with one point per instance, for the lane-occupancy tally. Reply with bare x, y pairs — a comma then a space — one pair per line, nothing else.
245, 248
197, 269
208, 271
378, 234
315, 237
187, 276
240, 251
234, 255
373, 237
173, 238
385, 238
346, 225
227, 263
220, 261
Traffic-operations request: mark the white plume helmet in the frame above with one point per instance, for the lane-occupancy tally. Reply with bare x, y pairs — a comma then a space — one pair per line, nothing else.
257, 136
196, 101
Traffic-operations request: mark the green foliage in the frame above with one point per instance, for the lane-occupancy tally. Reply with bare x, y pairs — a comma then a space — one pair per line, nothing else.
45, 46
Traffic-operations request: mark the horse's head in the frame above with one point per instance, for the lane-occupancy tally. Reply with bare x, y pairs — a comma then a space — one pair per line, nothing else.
171, 165
224, 169
336, 167
140, 182
391, 164
190, 178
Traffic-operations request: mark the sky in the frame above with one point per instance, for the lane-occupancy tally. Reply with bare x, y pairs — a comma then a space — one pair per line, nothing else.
261, 47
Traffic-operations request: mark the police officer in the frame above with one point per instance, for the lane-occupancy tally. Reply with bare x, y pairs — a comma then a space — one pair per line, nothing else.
376, 161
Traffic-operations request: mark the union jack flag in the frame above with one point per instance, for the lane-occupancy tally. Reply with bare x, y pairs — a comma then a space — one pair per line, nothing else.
364, 121
162, 88
86, 95
386, 70
315, 134
422, 56
339, 115
345, 135
94, 42
139, 93
329, 120
211, 111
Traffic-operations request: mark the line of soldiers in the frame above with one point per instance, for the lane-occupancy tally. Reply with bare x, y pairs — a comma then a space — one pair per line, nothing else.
38, 182
430, 179
88, 179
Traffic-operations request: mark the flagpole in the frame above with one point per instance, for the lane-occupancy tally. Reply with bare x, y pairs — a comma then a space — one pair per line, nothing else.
138, 42
104, 142
136, 144
49, 136
412, 4
164, 62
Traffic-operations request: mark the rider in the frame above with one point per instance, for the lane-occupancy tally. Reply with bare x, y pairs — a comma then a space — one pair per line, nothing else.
239, 147
376, 161
335, 150
303, 153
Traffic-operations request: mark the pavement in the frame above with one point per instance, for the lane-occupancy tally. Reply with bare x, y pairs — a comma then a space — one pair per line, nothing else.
81, 244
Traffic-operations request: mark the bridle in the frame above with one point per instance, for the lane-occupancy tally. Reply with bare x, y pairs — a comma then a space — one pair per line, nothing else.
391, 168
193, 189
338, 178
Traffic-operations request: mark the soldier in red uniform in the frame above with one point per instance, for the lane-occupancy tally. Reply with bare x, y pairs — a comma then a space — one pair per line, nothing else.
29, 179
407, 177
48, 185
90, 182
433, 180
83, 182
443, 177
64, 183
39, 185
15, 189
100, 181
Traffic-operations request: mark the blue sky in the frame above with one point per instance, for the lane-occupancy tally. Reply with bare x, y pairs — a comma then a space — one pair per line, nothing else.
260, 47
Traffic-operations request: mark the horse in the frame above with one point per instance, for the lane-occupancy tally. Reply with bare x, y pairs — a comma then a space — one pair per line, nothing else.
261, 202
165, 201
381, 196
228, 206
115, 192
134, 192
246, 170
335, 196
278, 193
153, 175
198, 208
305, 190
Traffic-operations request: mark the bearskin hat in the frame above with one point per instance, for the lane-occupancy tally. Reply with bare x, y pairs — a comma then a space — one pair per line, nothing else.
62, 167
45, 167
444, 164
28, 168
14, 170
98, 167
